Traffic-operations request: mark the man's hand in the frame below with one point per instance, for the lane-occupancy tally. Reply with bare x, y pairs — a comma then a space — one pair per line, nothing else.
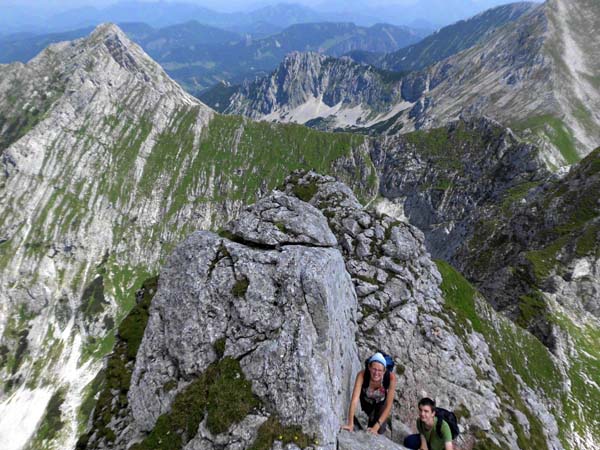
348, 428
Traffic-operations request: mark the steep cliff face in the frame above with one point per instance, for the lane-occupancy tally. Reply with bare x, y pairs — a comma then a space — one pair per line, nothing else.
317, 90
445, 177
106, 164
525, 237
287, 300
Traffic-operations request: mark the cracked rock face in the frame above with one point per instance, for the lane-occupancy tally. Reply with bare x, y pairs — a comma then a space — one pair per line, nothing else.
300, 295
280, 219
287, 313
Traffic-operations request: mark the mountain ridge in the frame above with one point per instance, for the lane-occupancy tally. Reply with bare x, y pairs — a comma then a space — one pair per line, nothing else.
516, 76
91, 205
119, 164
448, 40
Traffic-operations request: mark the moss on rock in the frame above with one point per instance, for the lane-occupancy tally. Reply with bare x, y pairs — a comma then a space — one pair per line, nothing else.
119, 367
240, 287
272, 430
221, 393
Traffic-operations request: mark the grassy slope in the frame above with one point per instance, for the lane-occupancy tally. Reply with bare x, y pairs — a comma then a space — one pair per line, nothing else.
230, 161
550, 129
532, 366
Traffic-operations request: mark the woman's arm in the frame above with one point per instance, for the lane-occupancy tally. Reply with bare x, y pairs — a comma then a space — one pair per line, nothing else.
354, 402
389, 402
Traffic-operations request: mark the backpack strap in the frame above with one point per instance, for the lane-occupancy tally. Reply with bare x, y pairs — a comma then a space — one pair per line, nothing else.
438, 427
386, 380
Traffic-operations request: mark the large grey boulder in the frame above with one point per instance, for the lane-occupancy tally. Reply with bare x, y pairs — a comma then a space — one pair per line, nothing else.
280, 219
287, 314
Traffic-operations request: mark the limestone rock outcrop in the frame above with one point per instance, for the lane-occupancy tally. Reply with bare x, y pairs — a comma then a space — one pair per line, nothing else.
288, 317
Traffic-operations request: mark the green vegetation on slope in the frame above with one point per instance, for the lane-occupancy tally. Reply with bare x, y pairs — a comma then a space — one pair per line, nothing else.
554, 130
235, 158
117, 374
533, 364
20, 112
231, 159
272, 430
447, 147
575, 229
223, 395
584, 376
221, 392
518, 246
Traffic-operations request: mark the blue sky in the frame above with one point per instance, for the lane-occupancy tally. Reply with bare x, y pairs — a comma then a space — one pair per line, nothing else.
250, 4
17, 15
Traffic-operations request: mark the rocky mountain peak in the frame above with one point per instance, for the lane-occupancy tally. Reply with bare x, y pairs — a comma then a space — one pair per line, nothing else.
116, 42
309, 87
299, 58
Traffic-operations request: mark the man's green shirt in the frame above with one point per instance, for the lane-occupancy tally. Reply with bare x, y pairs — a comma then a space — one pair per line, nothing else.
433, 439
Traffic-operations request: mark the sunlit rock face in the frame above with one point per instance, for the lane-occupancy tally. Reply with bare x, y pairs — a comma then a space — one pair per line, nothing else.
106, 165
295, 306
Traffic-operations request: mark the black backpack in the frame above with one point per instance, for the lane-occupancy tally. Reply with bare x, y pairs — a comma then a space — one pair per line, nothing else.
450, 418
389, 367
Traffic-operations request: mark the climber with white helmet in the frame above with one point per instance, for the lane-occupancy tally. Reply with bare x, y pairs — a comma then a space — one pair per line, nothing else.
374, 388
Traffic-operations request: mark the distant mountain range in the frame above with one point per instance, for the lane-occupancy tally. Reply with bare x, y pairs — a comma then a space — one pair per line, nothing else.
198, 56
446, 41
278, 97
253, 99
23, 47
157, 14
531, 68
29, 16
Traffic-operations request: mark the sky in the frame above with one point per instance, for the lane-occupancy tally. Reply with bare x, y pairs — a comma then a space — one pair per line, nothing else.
35, 15
237, 5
